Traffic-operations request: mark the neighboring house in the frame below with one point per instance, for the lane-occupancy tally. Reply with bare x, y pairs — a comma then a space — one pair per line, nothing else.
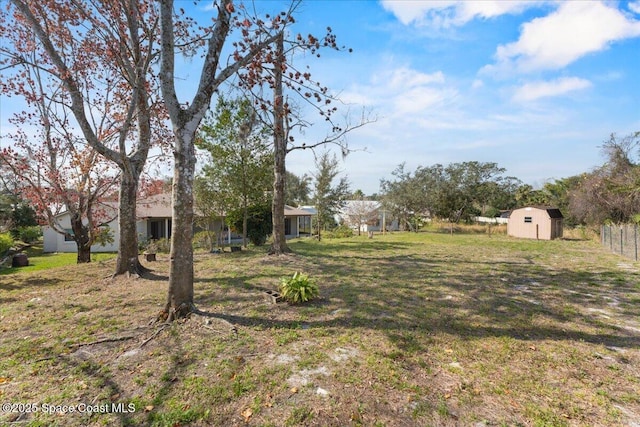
366, 215
56, 242
154, 222
297, 222
535, 222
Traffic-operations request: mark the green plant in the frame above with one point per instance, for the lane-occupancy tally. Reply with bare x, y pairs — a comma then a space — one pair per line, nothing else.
158, 246
298, 288
29, 234
5, 242
204, 240
339, 232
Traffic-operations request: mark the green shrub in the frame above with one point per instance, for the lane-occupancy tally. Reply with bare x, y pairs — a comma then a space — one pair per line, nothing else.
259, 223
339, 232
298, 288
104, 236
5, 243
158, 246
29, 234
204, 240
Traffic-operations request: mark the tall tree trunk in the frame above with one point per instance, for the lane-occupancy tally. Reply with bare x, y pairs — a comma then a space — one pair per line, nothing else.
279, 245
180, 295
128, 261
245, 217
84, 254
82, 239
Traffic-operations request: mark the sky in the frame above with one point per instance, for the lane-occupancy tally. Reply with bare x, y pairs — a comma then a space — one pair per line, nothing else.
534, 86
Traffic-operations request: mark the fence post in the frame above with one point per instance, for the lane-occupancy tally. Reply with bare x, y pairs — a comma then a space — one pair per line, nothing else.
611, 238
635, 240
621, 247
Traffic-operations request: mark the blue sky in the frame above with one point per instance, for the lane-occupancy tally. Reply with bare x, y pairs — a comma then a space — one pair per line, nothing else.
533, 86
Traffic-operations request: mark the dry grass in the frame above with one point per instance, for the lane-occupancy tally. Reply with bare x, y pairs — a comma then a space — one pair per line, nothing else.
411, 329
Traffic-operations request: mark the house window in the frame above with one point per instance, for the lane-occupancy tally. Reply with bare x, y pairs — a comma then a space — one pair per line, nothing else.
69, 236
528, 219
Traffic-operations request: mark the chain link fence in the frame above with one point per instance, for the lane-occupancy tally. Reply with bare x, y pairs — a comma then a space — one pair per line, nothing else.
621, 239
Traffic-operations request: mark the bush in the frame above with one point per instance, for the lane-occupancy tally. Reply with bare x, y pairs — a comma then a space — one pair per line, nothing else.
204, 240
29, 234
259, 223
339, 232
5, 243
158, 246
298, 288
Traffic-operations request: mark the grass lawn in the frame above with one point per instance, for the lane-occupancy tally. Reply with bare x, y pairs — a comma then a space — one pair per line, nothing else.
45, 261
411, 329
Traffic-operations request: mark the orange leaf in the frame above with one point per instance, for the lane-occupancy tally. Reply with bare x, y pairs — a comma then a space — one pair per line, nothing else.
247, 413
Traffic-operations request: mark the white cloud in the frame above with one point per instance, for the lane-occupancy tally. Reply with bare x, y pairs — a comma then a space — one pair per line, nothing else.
544, 89
634, 6
477, 84
575, 29
402, 90
447, 13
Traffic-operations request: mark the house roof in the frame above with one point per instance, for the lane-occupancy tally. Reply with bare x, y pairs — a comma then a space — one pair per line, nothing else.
291, 211
309, 209
350, 206
158, 206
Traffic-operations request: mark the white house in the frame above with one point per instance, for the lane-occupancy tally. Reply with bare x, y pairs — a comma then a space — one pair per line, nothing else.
366, 215
154, 222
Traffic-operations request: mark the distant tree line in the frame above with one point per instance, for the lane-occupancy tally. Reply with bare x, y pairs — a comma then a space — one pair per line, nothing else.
456, 192
460, 191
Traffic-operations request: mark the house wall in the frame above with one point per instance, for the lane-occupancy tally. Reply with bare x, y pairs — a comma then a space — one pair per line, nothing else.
540, 226
55, 242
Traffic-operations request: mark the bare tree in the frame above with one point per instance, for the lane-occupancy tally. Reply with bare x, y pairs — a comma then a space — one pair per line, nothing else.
185, 119
102, 52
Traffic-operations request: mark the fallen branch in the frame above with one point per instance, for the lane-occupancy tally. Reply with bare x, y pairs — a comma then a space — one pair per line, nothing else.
232, 327
103, 340
155, 334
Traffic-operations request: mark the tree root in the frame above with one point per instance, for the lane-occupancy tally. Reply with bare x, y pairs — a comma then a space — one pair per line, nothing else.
103, 340
184, 311
135, 269
155, 334
233, 328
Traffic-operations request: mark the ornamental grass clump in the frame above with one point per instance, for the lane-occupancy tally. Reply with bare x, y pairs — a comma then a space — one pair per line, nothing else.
298, 288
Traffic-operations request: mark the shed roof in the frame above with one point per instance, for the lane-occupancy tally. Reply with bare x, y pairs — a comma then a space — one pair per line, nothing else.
551, 211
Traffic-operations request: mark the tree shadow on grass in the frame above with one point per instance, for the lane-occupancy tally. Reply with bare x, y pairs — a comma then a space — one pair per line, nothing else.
23, 283
412, 294
111, 392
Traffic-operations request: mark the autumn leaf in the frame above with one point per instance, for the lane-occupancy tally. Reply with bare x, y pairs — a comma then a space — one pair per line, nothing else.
148, 408
4, 380
247, 413
294, 390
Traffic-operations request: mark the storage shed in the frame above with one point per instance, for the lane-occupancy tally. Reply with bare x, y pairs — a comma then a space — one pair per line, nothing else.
535, 222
